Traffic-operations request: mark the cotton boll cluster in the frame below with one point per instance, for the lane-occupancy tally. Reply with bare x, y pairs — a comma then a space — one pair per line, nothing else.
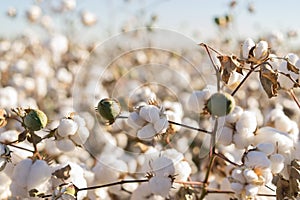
256, 172
30, 174
149, 121
280, 121
66, 177
71, 132
239, 128
255, 52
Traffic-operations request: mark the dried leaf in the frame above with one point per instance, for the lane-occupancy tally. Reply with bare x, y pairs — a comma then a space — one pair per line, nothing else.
63, 173
292, 68
295, 178
228, 65
268, 78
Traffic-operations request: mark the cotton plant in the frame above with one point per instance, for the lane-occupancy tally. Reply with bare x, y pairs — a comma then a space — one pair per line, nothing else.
149, 121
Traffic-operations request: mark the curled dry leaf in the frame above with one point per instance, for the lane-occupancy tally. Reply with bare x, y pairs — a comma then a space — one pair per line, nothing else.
3, 117
292, 68
268, 79
294, 178
228, 65
63, 173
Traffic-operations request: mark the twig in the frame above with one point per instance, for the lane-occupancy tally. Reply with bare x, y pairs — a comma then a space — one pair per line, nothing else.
292, 94
226, 159
15, 146
179, 124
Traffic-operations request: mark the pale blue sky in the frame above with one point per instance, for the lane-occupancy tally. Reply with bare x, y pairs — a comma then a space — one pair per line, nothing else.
185, 16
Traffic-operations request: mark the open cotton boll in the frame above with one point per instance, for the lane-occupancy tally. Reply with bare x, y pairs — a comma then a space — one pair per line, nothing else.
150, 113
40, 172
173, 154
277, 163
65, 145
256, 159
234, 115
261, 50
135, 121
246, 123
146, 133
246, 47
21, 172
225, 137
251, 190
237, 174
182, 170
163, 166
237, 187
160, 185
250, 175
81, 135
267, 148
67, 127
9, 136
280, 140
283, 123
161, 125
242, 140
143, 192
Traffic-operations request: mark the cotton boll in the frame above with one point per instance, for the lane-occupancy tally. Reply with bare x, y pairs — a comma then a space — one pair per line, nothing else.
150, 113
238, 175
256, 159
65, 145
261, 50
135, 121
246, 47
64, 76
277, 163
251, 190
9, 136
246, 123
242, 140
8, 97
161, 125
146, 133
237, 187
67, 127
225, 137
267, 148
33, 13
279, 139
88, 18
163, 166
283, 123
81, 135
40, 172
234, 115
143, 192
79, 120
173, 154
160, 185
250, 175
5, 181
21, 172
182, 170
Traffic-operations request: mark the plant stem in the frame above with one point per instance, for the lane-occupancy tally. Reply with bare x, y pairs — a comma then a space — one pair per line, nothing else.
242, 82
292, 94
114, 183
212, 158
226, 159
214, 64
15, 146
179, 124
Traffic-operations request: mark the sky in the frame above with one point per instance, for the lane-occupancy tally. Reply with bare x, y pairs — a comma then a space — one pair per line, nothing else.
194, 18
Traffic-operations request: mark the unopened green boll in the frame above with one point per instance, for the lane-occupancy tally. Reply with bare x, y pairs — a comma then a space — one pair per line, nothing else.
35, 120
109, 109
220, 104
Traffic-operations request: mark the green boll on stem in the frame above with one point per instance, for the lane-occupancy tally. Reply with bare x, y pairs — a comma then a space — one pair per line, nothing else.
109, 109
35, 120
220, 104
